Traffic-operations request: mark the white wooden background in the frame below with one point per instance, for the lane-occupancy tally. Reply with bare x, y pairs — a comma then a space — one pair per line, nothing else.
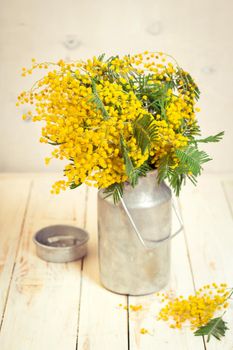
198, 33
64, 307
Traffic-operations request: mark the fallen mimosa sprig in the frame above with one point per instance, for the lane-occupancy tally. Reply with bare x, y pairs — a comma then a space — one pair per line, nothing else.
198, 310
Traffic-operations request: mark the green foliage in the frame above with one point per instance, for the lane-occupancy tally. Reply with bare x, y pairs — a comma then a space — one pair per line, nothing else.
191, 131
132, 172
192, 158
215, 138
96, 99
129, 167
55, 143
156, 93
176, 180
73, 185
216, 328
189, 167
189, 81
175, 176
111, 74
137, 172
111, 58
115, 190
144, 131
101, 57
163, 169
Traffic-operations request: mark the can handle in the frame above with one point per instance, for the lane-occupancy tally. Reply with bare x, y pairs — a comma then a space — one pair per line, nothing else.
158, 242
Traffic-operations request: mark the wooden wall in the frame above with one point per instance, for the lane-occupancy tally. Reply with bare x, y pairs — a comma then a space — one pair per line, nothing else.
198, 33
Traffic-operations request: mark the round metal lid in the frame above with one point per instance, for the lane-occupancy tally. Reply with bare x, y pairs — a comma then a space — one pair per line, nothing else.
61, 243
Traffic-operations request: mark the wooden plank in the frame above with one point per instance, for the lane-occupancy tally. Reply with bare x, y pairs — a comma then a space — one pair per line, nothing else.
160, 335
39, 290
14, 197
43, 303
102, 326
209, 229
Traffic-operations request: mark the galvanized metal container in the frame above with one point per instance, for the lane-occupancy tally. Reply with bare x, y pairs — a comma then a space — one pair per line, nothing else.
134, 238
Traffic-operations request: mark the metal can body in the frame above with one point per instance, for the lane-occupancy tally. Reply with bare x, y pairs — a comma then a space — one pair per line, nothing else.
126, 266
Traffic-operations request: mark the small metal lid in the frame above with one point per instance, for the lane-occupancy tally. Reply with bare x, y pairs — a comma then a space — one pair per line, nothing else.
61, 243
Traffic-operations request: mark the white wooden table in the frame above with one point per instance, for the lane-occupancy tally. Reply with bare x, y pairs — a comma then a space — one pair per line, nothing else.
46, 306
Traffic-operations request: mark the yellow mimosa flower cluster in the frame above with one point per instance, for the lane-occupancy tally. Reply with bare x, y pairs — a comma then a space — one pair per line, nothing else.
88, 106
196, 310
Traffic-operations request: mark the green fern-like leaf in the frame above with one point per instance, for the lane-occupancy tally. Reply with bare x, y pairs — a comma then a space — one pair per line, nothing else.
191, 130
216, 328
145, 132
137, 172
111, 58
73, 185
215, 138
55, 143
132, 172
129, 167
163, 169
189, 81
115, 190
192, 178
176, 180
192, 158
176, 177
97, 101
101, 57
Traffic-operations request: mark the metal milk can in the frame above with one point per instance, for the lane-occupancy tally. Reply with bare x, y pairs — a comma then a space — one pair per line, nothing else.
134, 237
